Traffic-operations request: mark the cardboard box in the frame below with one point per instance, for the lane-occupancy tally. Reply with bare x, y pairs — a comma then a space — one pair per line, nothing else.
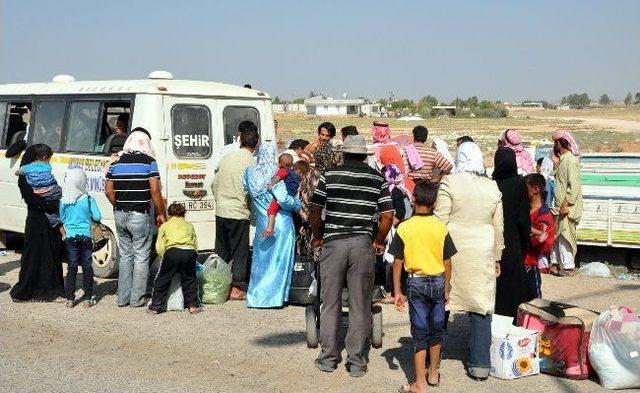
514, 350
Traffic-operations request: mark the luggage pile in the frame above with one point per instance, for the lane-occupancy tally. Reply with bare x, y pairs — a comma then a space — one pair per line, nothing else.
572, 342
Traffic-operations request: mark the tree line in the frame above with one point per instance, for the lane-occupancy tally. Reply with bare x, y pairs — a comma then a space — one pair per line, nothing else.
469, 107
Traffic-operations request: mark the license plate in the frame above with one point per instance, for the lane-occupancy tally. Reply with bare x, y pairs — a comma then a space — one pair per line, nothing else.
205, 204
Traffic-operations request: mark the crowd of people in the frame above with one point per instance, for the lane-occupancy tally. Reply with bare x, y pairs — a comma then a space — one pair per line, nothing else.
441, 231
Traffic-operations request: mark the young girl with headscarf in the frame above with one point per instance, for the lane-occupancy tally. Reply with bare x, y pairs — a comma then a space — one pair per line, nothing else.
399, 193
402, 206
77, 211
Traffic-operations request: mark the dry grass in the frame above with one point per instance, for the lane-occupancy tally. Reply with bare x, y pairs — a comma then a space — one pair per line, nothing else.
534, 125
612, 112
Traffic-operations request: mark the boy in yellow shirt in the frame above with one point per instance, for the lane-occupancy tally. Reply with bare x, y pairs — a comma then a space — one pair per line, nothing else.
178, 246
423, 245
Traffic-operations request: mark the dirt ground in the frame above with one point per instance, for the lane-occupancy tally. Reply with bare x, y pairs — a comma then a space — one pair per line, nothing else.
229, 348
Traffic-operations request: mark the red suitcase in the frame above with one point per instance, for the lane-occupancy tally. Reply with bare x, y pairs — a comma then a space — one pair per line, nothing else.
563, 343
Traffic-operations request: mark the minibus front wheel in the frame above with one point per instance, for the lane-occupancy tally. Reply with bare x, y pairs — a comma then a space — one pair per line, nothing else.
105, 260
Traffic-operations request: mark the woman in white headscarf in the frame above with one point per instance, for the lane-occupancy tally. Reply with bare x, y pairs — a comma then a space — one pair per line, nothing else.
546, 170
470, 204
138, 142
441, 147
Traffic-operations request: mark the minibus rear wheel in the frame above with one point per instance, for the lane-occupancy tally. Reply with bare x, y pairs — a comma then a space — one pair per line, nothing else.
105, 260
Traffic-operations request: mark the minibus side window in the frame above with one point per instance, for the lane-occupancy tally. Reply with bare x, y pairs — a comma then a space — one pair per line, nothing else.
116, 120
48, 123
82, 131
233, 116
191, 128
16, 120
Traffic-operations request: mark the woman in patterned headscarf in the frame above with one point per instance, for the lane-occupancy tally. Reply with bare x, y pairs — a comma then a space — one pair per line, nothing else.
325, 157
512, 139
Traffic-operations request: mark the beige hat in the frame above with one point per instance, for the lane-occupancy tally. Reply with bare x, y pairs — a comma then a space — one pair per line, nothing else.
355, 144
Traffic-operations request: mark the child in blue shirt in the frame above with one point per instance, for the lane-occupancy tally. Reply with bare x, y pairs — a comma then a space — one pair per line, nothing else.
77, 211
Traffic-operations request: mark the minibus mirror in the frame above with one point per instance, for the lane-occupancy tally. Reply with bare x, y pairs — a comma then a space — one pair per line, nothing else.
114, 144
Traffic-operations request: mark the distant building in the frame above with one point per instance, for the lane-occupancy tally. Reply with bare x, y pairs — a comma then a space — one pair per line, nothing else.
450, 109
372, 110
525, 106
281, 108
320, 105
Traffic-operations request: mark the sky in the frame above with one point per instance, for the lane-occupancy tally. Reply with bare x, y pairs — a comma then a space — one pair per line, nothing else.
498, 50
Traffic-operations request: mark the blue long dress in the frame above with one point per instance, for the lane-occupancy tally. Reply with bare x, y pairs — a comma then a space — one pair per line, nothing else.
273, 257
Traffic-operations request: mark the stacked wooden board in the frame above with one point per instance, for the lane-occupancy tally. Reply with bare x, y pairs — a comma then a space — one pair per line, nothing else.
611, 192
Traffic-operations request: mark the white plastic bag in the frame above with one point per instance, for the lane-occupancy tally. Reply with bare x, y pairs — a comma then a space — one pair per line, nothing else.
614, 348
176, 297
215, 280
595, 269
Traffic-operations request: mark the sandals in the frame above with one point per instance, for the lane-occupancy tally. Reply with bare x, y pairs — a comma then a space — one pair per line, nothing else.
69, 304
435, 385
89, 303
194, 310
406, 389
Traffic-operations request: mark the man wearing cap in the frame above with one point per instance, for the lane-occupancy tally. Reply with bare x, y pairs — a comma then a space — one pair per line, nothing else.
352, 195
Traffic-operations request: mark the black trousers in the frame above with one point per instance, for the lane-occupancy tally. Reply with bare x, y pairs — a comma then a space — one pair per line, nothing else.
232, 245
176, 260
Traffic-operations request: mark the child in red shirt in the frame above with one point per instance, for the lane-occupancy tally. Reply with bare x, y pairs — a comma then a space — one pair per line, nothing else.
290, 174
543, 228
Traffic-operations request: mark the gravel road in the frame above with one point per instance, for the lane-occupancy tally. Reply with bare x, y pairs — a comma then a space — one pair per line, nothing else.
228, 348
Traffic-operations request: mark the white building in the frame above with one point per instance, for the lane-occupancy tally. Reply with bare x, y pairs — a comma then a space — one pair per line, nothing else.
281, 108
372, 109
332, 106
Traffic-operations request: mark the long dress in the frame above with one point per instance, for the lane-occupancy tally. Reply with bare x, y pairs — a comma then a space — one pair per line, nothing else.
513, 287
273, 257
40, 266
470, 206
569, 188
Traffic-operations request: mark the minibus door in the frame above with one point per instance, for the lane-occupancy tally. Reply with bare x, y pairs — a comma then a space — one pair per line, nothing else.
189, 174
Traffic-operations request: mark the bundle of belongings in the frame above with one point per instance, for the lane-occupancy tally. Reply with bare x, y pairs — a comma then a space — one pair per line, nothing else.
614, 349
564, 336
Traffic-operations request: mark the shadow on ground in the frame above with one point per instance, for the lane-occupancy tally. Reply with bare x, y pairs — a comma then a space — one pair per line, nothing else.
4, 286
6, 267
282, 339
454, 347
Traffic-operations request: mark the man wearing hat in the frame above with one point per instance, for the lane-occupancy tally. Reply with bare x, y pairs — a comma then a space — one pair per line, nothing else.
352, 195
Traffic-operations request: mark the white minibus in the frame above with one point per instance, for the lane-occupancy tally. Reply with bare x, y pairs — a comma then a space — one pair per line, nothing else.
81, 121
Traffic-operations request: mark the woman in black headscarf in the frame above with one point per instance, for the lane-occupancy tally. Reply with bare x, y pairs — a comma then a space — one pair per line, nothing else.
512, 287
40, 266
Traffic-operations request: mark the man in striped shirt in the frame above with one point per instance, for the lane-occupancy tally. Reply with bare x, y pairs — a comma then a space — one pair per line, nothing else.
352, 195
434, 165
132, 183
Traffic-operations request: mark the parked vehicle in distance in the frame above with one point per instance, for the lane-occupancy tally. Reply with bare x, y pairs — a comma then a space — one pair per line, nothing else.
189, 122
